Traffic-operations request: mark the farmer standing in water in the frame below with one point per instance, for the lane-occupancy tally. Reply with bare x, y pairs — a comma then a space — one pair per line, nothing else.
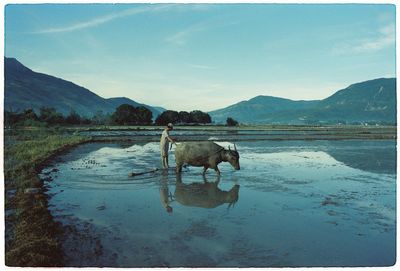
164, 145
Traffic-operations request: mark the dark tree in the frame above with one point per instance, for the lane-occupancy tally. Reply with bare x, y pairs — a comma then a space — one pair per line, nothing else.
100, 118
86, 121
26, 118
29, 114
168, 116
198, 116
231, 122
29, 118
184, 117
11, 118
51, 116
73, 118
124, 115
144, 115
129, 115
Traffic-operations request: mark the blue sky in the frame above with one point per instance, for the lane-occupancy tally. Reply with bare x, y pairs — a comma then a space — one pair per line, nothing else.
188, 56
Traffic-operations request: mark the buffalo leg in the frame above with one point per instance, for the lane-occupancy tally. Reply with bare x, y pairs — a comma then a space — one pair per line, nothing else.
205, 169
217, 170
178, 168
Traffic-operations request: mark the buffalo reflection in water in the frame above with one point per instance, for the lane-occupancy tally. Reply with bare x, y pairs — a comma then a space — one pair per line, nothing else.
205, 195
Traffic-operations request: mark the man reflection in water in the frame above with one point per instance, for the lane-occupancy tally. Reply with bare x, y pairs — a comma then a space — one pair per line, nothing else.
164, 145
165, 196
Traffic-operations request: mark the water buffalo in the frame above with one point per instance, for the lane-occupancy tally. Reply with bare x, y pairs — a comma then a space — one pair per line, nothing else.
205, 195
205, 154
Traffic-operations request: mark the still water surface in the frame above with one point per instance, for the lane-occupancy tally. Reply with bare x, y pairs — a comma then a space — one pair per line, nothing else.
293, 203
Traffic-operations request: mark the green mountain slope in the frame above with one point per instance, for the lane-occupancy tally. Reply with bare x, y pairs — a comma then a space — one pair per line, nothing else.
373, 100
259, 109
369, 101
25, 88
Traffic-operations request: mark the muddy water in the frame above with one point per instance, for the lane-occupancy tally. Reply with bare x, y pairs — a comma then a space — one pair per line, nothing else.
297, 203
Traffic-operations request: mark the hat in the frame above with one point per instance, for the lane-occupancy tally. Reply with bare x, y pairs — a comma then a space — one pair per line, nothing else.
169, 125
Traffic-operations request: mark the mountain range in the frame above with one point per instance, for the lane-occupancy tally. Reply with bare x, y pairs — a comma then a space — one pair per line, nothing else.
369, 101
24, 88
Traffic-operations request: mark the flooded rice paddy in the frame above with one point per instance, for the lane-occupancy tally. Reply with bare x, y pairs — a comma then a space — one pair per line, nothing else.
293, 203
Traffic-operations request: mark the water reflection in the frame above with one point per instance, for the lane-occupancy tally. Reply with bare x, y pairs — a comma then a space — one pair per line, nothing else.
372, 156
165, 196
204, 195
314, 210
375, 156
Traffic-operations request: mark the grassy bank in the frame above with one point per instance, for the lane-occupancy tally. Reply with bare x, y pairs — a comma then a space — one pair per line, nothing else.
30, 228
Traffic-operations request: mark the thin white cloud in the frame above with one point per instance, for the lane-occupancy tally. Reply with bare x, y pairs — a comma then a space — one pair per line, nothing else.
181, 37
386, 38
202, 67
103, 19
383, 38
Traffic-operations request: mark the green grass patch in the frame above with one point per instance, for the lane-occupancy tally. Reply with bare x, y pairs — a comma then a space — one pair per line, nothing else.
32, 239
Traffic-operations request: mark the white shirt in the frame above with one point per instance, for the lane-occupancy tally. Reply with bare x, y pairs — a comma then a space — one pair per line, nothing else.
164, 141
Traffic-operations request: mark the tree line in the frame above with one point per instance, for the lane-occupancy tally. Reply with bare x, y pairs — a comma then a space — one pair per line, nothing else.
124, 114
46, 116
183, 117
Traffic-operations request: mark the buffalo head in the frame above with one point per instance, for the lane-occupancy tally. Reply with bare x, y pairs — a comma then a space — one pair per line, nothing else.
232, 157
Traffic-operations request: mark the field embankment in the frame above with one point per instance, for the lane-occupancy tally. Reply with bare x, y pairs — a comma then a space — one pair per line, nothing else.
30, 229
240, 133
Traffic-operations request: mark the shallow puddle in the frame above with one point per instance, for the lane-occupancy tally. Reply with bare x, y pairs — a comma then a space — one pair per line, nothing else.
293, 203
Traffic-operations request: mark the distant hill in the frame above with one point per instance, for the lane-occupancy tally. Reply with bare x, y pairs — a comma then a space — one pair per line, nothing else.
25, 88
373, 100
258, 109
369, 101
